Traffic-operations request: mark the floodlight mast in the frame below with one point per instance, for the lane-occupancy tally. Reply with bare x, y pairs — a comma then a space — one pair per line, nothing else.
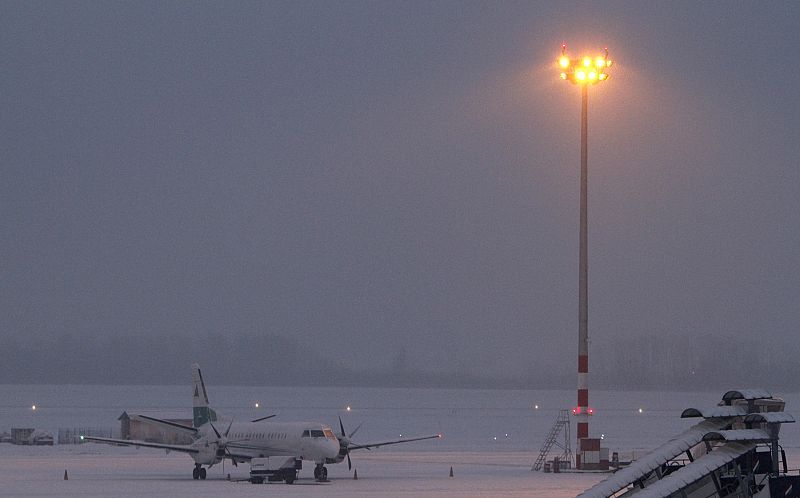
583, 71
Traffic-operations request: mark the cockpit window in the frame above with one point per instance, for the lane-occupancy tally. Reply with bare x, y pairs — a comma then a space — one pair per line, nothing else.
329, 434
316, 433
306, 433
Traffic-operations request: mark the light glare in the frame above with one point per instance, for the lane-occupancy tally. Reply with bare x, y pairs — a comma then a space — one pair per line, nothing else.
584, 70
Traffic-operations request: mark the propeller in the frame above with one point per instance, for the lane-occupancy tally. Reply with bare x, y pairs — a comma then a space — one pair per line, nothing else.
222, 441
344, 442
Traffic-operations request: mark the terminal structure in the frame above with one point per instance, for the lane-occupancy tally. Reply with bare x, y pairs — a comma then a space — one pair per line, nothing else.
732, 452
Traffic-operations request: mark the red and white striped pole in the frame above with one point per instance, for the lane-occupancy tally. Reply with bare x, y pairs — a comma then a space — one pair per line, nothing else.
582, 412
583, 72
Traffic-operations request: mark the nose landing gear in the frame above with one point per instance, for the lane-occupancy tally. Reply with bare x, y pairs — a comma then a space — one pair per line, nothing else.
198, 472
320, 473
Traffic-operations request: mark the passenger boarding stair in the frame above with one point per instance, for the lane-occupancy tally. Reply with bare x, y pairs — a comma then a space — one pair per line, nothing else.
722, 454
561, 423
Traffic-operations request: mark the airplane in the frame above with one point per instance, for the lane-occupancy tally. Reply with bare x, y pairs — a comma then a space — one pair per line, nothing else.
243, 441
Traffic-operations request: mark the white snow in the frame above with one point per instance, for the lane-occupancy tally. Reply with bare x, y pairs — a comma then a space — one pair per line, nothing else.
491, 439
101, 471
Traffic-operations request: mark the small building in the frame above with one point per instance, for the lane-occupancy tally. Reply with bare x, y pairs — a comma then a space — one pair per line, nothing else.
21, 435
41, 438
135, 427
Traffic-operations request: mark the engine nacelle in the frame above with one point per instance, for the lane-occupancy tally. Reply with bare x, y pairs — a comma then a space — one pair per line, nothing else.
208, 452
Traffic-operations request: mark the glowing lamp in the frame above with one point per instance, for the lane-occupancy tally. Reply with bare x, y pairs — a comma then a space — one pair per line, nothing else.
583, 70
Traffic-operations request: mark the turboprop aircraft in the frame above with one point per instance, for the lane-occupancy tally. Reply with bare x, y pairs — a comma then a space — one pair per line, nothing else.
242, 441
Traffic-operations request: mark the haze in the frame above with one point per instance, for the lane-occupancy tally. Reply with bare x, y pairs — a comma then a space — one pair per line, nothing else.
386, 193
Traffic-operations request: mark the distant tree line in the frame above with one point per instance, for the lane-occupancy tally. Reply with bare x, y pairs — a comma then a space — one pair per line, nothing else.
676, 362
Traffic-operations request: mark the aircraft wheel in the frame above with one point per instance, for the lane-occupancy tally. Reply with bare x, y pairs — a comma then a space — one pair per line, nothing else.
202, 473
317, 472
195, 473
323, 474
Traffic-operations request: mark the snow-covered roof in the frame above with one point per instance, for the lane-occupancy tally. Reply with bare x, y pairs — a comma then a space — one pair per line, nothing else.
664, 453
746, 394
715, 411
771, 417
163, 415
695, 470
753, 435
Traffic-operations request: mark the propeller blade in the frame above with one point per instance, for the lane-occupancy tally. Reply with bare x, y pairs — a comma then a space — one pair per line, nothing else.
229, 427
341, 426
349, 463
231, 456
215, 430
356, 429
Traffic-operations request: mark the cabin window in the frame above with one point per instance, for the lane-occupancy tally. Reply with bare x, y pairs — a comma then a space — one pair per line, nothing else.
306, 433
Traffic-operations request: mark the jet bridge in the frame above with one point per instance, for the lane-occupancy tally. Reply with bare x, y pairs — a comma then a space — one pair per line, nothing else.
732, 452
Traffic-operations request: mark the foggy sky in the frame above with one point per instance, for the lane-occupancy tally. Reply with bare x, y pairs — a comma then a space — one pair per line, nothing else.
393, 185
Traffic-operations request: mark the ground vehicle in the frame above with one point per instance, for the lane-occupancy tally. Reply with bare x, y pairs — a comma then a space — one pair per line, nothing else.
276, 468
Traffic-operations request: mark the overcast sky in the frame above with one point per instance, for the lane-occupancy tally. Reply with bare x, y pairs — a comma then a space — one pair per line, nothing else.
379, 179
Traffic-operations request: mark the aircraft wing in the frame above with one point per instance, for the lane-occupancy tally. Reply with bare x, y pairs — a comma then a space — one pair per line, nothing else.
369, 446
135, 442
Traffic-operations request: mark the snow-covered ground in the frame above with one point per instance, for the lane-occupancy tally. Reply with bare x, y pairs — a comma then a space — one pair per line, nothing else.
99, 470
491, 438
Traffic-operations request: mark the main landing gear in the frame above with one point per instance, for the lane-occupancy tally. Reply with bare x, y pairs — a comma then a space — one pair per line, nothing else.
199, 472
320, 473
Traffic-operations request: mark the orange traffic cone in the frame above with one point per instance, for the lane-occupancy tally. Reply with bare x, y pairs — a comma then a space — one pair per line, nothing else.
66, 477
355, 474
451, 471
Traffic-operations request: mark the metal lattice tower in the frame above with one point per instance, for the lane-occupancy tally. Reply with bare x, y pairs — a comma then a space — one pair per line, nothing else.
561, 425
